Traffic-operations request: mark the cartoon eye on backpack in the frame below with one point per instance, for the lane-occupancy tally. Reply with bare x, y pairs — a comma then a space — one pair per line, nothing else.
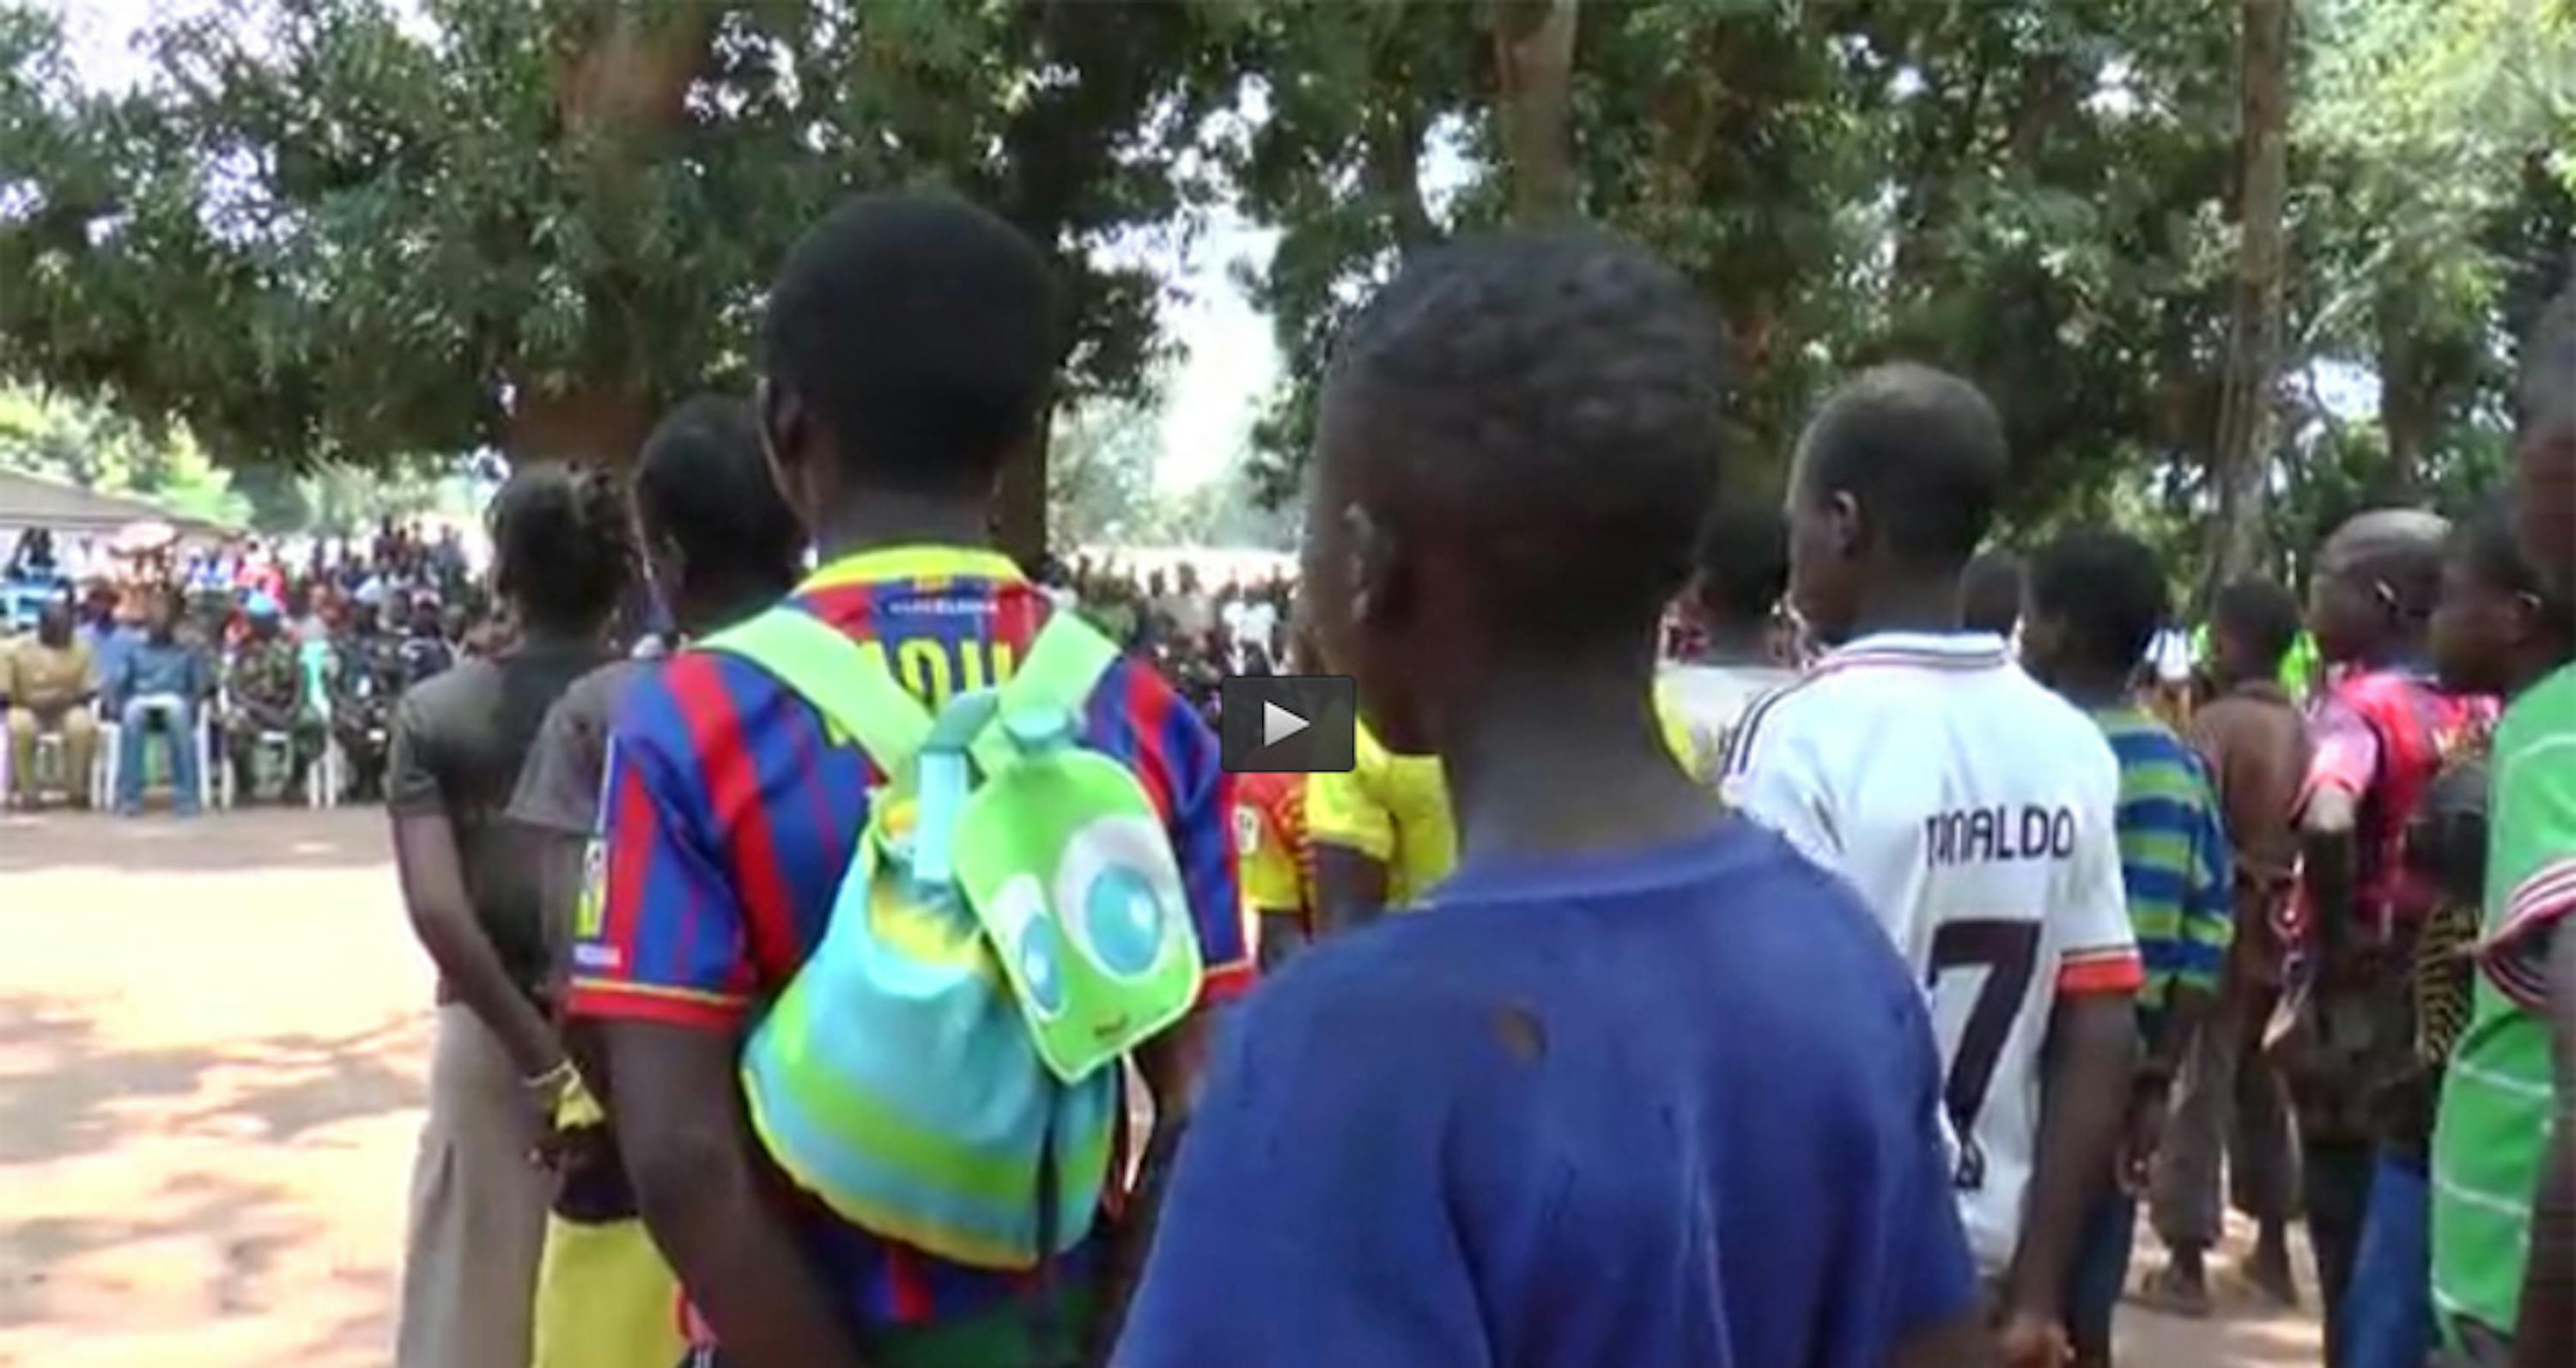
1012, 924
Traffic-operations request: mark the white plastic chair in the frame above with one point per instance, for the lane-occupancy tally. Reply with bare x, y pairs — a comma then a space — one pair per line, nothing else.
321, 778
111, 744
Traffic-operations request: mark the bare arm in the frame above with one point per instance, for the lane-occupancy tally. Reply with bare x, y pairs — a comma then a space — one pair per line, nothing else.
433, 886
2233, 772
1350, 888
2329, 866
1962, 1343
2186, 1007
707, 1197
2546, 1334
2084, 1093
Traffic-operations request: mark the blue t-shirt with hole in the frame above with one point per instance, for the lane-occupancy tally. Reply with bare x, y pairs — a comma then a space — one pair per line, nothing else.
1671, 1106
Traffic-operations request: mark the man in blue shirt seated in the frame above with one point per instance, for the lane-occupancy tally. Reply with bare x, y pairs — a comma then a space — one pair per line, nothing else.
1638, 1085
163, 679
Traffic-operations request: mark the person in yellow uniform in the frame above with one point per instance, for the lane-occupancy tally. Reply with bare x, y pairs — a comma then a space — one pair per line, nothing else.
1277, 864
47, 683
1382, 833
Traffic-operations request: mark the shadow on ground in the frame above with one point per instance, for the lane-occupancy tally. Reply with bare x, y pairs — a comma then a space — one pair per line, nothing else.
260, 1215
64, 1091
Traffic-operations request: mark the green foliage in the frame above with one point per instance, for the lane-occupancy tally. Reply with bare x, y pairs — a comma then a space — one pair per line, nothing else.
1221, 511
2023, 191
98, 448
2438, 211
1100, 487
2037, 193
337, 232
343, 229
1354, 96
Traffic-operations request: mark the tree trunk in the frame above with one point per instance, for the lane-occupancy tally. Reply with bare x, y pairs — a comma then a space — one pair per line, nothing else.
2241, 459
1020, 511
2406, 406
1394, 171
621, 78
1534, 52
594, 425
626, 69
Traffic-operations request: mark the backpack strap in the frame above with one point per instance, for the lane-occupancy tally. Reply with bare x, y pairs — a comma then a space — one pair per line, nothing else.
1065, 661
849, 682
1063, 665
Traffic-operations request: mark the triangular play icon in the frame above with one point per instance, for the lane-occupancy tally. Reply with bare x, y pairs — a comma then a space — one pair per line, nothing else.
1278, 724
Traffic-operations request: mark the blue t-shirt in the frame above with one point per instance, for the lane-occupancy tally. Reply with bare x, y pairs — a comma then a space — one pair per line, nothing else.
1675, 1106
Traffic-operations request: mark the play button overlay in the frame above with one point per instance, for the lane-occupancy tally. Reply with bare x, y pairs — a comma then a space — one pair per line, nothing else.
1278, 724
1288, 724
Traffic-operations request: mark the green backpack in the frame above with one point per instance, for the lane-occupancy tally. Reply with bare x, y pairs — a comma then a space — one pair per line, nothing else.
1012, 923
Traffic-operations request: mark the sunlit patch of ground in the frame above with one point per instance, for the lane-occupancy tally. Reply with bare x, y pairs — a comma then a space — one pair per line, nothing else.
212, 1039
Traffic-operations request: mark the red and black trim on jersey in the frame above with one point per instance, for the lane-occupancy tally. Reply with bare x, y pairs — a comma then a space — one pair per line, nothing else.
1981, 651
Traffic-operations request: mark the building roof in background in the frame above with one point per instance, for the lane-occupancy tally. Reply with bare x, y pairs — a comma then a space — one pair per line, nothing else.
28, 501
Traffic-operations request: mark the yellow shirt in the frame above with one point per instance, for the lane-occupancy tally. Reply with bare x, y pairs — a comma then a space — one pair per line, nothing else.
1392, 808
1395, 809
46, 678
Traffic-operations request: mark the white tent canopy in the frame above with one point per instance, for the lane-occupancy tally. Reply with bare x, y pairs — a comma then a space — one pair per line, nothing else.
32, 501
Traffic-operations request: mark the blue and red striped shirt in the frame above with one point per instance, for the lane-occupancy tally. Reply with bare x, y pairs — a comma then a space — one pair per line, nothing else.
730, 813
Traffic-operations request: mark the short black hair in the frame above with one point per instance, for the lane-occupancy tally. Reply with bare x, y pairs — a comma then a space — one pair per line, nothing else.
2401, 548
560, 548
1743, 562
2107, 589
2259, 612
922, 331
1990, 592
1545, 403
702, 480
1922, 450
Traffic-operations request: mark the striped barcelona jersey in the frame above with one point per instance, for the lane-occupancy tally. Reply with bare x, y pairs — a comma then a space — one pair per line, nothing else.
1270, 839
1973, 809
731, 814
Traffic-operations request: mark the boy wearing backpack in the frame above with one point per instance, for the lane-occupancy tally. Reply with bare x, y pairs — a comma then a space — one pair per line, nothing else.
896, 871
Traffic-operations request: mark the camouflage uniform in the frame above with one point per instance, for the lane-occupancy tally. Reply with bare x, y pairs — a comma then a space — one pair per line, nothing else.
370, 679
265, 685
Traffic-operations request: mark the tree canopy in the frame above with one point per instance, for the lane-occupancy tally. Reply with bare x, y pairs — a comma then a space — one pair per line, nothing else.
351, 231
2042, 194
355, 231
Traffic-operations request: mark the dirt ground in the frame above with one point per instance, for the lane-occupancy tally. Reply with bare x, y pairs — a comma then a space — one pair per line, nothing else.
212, 1044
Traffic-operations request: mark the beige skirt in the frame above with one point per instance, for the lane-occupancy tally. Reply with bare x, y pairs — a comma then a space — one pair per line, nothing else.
478, 1209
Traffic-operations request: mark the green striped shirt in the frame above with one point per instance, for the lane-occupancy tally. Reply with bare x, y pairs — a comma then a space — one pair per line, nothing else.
2173, 856
2494, 1121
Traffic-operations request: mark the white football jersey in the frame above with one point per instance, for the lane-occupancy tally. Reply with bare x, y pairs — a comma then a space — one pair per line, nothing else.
1974, 810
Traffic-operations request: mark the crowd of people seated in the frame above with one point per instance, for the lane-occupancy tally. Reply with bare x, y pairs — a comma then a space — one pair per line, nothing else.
239, 674
256, 672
